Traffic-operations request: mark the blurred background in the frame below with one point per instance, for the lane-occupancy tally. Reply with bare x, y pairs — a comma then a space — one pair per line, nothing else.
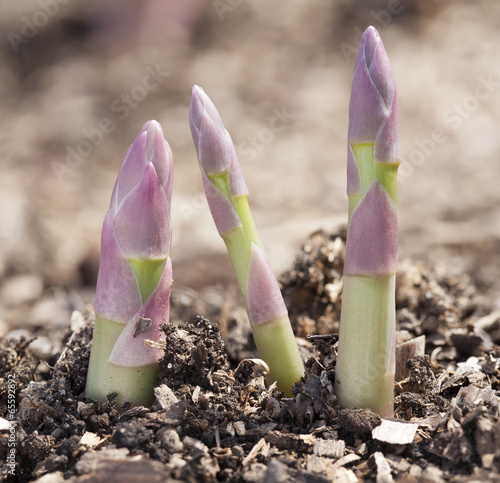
79, 78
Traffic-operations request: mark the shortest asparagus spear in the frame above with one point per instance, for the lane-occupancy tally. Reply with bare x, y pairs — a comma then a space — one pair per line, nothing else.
366, 357
135, 274
227, 197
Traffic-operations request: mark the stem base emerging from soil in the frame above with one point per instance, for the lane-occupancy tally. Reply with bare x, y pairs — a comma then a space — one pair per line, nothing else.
276, 344
367, 337
131, 384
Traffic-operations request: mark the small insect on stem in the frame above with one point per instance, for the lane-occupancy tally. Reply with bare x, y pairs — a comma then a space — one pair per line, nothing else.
143, 325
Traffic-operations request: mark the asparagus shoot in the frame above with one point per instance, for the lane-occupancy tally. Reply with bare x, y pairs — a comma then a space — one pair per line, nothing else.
366, 353
135, 274
227, 197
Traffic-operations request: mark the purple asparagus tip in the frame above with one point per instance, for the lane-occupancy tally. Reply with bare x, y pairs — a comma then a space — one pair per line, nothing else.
212, 142
216, 157
138, 223
373, 110
142, 195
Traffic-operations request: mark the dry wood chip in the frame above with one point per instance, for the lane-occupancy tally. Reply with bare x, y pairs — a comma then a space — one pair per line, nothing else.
56, 477
406, 351
432, 473
415, 471
325, 467
199, 354
317, 464
217, 437
5, 425
476, 377
395, 432
487, 460
239, 427
90, 440
230, 429
85, 410
343, 475
382, 467
196, 394
474, 395
346, 460
329, 447
362, 449
176, 462
255, 451
251, 410
307, 438
165, 396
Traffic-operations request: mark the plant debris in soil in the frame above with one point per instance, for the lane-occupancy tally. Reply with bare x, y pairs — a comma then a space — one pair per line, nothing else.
215, 420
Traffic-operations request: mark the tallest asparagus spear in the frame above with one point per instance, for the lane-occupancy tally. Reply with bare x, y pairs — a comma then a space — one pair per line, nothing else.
365, 363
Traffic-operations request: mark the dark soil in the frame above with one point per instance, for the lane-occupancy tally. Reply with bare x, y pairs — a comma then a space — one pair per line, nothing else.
216, 419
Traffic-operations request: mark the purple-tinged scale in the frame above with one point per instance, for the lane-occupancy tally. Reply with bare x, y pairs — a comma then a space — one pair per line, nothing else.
265, 301
372, 243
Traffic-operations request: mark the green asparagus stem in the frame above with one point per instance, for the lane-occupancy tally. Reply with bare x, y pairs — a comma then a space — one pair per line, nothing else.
366, 355
227, 196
